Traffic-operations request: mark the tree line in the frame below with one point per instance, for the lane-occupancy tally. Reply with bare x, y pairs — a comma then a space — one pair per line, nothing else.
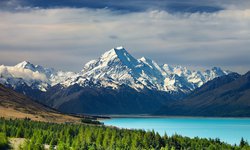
99, 137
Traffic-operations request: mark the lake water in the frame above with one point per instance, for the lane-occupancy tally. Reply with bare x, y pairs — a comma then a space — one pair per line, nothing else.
229, 130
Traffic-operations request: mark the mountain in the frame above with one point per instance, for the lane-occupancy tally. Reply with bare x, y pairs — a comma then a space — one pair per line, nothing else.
26, 77
114, 68
117, 67
16, 105
99, 100
226, 96
116, 82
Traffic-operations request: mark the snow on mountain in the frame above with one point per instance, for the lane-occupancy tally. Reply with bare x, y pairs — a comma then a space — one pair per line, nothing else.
117, 67
114, 68
25, 65
35, 76
36, 68
60, 76
23, 74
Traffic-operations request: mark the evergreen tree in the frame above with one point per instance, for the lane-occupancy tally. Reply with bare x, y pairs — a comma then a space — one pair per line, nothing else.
243, 143
85, 137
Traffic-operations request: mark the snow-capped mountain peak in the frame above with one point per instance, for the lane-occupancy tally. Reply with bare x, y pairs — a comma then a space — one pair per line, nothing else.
218, 70
117, 66
120, 48
25, 65
36, 68
114, 68
118, 55
34, 76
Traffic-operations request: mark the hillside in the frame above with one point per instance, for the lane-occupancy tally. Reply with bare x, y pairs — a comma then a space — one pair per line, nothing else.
226, 96
94, 100
15, 105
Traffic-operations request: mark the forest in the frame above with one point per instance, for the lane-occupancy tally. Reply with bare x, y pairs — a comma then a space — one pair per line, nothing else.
70, 136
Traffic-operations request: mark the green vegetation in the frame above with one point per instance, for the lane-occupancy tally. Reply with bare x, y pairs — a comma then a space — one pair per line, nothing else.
91, 137
91, 121
4, 144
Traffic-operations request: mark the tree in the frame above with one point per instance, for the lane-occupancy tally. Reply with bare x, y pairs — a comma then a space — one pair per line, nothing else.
20, 133
62, 146
85, 137
243, 143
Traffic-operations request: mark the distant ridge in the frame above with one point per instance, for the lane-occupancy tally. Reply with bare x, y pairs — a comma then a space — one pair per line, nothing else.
226, 96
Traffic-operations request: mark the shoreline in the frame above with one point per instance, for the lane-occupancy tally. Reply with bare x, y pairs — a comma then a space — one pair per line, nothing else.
172, 131
152, 116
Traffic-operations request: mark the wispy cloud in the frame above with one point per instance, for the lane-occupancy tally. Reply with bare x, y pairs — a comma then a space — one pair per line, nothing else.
21, 73
66, 38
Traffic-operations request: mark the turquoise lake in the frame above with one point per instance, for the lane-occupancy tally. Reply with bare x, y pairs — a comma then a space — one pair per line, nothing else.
229, 130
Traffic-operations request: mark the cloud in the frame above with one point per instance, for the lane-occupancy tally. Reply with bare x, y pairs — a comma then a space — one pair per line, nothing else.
124, 6
21, 73
127, 6
66, 38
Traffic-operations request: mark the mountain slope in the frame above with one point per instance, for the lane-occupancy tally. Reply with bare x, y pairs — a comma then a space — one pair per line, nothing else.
32, 77
97, 100
224, 96
118, 66
15, 105
116, 82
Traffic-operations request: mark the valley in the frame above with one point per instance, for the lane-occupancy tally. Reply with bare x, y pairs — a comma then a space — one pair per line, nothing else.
124, 75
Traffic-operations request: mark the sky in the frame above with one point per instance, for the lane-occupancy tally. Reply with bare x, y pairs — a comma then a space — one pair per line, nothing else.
66, 34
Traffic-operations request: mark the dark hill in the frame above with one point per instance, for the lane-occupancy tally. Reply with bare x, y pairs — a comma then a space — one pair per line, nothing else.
16, 105
97, 100
226, 96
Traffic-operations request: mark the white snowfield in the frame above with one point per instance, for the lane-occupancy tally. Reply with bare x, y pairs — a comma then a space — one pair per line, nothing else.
114, 68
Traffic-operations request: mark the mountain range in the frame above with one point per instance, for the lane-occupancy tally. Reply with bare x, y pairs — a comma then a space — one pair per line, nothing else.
114, 83
114, 68
225, 96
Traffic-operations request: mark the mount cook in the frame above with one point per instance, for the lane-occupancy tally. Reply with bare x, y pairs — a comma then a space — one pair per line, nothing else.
115, 83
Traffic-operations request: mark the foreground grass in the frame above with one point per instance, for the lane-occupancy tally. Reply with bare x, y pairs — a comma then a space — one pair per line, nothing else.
91, 137
4, 143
